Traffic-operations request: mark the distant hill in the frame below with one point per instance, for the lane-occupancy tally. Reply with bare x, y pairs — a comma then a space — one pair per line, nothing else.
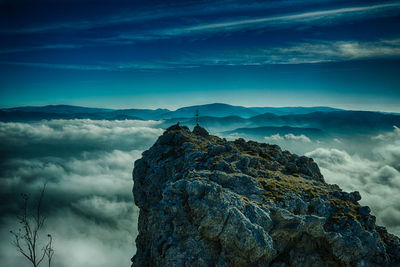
145, 114
59, 109
213, 110
217, 110
225, 110
313, 124
336, 121
292, 110
216, 123
30, 113
271, 130
21, 116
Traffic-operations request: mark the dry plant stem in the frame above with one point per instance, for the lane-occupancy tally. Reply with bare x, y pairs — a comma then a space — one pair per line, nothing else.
48, 250
26, 239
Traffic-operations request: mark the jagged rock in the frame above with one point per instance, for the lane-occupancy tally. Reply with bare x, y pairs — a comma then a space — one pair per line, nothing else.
205, 201
198, 130
364, 211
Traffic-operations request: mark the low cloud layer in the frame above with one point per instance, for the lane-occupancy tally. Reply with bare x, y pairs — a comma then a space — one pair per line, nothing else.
369, 164
377, 177
88, 164
288, 137
298, 144
71, 136
88, 202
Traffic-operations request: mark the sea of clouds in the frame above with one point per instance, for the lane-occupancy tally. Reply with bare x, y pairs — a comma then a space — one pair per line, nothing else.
369, 164
87, 165
375, 175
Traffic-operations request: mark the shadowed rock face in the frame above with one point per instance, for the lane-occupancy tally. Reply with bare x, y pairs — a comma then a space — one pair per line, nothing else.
205, 201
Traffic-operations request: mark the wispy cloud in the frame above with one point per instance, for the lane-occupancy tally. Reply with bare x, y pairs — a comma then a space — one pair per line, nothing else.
298, 53
58, 66
288, 19
206, 28
156, 12
341, 50
324, 16
41, 47
321, 16
105, 67
305, 53
287, 137
82, 24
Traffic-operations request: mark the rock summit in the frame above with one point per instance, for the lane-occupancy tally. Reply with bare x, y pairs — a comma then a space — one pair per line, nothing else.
205, 201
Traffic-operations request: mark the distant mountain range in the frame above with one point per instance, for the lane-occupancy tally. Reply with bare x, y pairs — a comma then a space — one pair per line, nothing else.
217, 117
212, 110
69, 112
338, 122
59, 109
271, 130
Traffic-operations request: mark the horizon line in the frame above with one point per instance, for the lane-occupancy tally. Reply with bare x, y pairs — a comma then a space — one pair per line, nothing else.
213, 103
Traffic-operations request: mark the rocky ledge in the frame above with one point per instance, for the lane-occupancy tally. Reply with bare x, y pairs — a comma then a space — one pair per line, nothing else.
205, 201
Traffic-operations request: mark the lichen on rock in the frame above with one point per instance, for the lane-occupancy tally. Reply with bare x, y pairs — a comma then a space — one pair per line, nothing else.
205, 201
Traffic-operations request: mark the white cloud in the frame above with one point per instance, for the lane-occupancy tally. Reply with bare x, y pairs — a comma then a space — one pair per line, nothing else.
295, 55
88, 201
337, 140
273, 138
102, 134
306, 17
388, 147
102, 208
340, 50
99, 173
388, 136
287, 137
301, 138
328, 15
315, 51
377, 178
155, 12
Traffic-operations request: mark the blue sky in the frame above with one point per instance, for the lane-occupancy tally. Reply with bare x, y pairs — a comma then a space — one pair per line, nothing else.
149, 54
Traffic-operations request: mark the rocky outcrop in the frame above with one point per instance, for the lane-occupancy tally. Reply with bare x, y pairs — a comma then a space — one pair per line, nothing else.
205, 201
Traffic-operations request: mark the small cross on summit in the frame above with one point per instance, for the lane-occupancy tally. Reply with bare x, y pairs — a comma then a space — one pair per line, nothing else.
198, 130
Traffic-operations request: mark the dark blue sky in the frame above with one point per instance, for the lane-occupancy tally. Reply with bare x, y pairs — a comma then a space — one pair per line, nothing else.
176, 53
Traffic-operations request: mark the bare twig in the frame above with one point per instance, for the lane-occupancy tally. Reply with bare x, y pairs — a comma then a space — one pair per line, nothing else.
26, 239
48, 250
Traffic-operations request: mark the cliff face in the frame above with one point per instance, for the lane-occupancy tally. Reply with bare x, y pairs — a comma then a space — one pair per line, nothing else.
205, 201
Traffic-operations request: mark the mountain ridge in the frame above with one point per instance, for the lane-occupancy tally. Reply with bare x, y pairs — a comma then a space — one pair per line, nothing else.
206, 201
270, 130
332, 122
214, 109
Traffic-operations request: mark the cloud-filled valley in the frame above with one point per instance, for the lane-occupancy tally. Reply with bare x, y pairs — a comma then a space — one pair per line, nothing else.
87, 165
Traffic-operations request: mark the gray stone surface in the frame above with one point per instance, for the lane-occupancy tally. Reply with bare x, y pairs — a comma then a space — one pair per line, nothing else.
208, 202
